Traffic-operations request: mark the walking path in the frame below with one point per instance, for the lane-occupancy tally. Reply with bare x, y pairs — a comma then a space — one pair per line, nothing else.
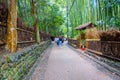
66, 64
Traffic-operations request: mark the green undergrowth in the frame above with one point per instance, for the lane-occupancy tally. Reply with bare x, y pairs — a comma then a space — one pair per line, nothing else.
16, 66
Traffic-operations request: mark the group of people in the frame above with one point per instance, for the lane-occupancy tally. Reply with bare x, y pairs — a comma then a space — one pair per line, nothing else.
59, 41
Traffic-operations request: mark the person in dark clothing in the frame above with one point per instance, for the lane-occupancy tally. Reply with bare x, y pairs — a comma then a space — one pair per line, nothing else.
52, 38
60, 41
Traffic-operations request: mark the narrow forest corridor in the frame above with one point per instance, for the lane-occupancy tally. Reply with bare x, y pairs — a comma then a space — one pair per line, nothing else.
59, 39
66, 64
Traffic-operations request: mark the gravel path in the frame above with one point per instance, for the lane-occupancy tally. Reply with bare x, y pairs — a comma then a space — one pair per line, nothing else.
65, 64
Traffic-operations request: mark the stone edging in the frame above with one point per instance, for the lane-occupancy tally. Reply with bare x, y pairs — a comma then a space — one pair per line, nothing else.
28, 76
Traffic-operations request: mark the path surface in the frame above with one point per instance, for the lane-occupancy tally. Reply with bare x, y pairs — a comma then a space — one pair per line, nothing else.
66, 64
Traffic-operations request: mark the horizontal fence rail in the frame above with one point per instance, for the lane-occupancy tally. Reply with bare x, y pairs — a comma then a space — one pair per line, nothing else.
25, 31
26, 37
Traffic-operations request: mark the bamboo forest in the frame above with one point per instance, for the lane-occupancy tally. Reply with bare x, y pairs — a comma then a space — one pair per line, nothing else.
59, 39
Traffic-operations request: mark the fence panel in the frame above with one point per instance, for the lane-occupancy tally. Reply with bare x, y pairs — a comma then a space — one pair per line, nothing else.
109, 49
74, 43
26, 35
94, 45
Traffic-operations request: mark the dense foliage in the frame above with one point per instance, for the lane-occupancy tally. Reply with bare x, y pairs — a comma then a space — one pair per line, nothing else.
104, 13
62, 16
49, 16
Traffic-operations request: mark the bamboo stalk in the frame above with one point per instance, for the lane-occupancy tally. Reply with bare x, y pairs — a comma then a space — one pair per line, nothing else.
4, 24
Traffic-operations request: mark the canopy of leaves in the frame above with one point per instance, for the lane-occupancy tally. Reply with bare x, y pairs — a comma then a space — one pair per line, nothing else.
48, 13
52, 14
104, 13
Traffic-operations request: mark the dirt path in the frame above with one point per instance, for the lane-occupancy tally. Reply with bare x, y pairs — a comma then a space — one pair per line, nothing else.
66, 64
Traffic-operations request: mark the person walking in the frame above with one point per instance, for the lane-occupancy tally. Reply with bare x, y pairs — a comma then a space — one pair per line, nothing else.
60, 41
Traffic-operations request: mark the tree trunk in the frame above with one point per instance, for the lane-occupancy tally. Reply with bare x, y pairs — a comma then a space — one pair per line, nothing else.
34, 12
37, 30
11, 43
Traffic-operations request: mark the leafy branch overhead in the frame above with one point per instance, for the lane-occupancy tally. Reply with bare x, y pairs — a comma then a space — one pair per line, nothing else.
48, 14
